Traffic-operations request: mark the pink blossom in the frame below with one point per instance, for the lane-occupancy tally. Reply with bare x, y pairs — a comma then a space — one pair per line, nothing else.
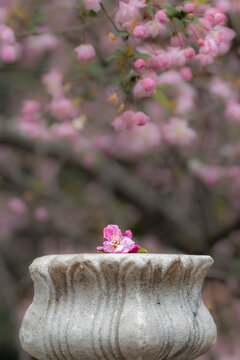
233, 111
64, 129
111, 231
161, 16
135, 249
85, 52
210, 174
178, 40
140, 119
34, 129
17, 205
53, 82
189, 7
116, 243
155, 28
128, 234
6, 34
62, 108
140, 32
30, 108
221, 88
177, 132
186, 73
41, 213
129, 119
121, 245
140, 64
92, 5
127, 14
36, 46
9, 53
144, 88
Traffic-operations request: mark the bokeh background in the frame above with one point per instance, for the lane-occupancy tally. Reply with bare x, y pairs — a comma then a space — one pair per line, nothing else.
58, 190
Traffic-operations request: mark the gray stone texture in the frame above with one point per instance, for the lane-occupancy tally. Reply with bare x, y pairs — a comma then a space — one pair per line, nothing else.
118, 307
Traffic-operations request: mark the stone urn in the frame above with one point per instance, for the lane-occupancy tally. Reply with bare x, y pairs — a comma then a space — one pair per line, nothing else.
118, 307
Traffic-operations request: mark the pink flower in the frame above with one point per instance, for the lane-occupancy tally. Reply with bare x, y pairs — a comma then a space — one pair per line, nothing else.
144, 88
155, 28
140, 64
128, 120
233, 112
116, 243
41, 213
9, 53
111, 232
210, 174
6, 34
189, 7
177, 132
62, 108
17, 206
64, 129
53, 82
127, 13
128, 234
85, 52
161, 16
92, 5
30, 108
140, 32
186, 73
140, 119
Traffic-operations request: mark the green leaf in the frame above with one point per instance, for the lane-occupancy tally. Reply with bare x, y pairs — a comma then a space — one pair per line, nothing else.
112, 57
141, 56
142, 250
101, 252
200, 2
121, 34
162, 99
92, 13
195, 20
170, 10
127, 90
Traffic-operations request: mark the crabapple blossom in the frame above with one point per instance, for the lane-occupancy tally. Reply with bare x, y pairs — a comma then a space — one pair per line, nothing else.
161, 16
140, 64
17, 205
53, 82
85, 52
129, 119
116, 243
189, 7
62, 108
140, 32
177, 132
144, 88
186, 73
9, 53
233, 111
6, 34
41, 213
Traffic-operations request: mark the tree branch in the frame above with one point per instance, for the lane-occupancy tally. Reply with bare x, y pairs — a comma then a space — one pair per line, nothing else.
112, 175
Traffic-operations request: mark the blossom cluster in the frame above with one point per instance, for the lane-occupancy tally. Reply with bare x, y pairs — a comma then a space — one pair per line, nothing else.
67, 119
9, 48
118, 243
188, 32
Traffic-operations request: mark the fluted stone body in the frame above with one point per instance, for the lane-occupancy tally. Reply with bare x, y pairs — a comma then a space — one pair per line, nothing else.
118, 306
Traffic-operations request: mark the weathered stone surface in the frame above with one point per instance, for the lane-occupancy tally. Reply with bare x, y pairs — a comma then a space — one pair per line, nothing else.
118, 306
